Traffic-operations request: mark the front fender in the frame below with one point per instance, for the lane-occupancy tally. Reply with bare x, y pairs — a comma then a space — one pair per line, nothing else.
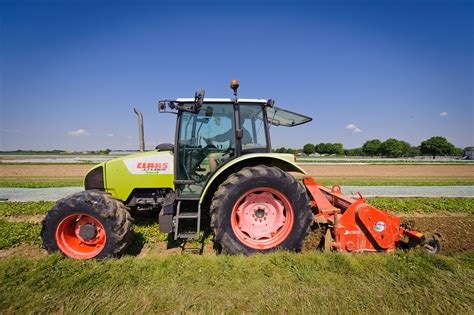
286, 162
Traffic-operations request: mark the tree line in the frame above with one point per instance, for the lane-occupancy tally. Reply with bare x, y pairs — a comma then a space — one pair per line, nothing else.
434, 146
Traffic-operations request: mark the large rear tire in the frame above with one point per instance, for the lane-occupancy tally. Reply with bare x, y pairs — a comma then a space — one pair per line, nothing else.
260, 209
89, 224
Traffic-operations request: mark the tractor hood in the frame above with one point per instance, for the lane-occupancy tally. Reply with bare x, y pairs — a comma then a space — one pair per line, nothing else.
120, 176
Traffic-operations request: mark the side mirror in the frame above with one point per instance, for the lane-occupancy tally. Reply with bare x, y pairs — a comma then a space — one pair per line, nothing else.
199, 99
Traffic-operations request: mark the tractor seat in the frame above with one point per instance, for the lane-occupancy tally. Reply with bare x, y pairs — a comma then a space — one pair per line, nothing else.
165, 147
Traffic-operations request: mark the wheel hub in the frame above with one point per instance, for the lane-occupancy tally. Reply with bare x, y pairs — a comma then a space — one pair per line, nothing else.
261, 215
87, 231
80, 236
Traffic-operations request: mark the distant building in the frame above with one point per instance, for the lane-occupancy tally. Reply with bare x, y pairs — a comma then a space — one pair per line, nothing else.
469, 154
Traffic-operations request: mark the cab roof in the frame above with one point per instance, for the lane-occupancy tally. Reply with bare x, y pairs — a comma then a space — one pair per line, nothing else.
275, 115
222, 100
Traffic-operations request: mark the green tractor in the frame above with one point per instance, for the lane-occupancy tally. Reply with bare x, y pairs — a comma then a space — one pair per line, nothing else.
221, 166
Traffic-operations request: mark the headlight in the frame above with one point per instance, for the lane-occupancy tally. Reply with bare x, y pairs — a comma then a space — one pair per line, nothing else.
95, 179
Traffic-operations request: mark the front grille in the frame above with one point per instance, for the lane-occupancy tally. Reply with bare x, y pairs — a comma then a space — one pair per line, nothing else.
95, 179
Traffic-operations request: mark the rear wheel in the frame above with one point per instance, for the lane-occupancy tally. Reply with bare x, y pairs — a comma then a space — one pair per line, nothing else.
260, 209
89, 224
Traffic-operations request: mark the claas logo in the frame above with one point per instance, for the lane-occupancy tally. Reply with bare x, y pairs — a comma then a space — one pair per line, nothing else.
152, 166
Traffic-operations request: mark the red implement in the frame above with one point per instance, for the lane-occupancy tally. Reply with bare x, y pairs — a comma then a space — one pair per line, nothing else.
355, 226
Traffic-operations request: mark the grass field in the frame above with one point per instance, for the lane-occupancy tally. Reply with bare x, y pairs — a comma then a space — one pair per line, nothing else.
277, 283
397, 205
21, 182
308, 282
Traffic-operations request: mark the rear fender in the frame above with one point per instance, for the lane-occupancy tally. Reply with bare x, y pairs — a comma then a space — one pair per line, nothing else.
286, 162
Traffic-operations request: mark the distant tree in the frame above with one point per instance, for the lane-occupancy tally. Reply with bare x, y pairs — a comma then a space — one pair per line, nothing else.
329, 148
320, 148
372, 147
405, 147
392, 148
337, 148
308, 149
291, 151
354, 152
436, 146
457, 152
414, 151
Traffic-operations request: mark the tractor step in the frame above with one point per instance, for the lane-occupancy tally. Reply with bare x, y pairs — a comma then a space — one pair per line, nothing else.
188, 235
186, 216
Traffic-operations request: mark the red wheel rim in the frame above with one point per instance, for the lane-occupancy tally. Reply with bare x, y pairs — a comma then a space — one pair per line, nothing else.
80, 236
262, 218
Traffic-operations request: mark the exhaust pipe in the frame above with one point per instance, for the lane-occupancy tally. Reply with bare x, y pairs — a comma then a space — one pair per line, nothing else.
141, 137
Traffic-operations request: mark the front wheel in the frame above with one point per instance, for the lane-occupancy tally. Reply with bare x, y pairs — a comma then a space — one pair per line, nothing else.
89, 224
260, 209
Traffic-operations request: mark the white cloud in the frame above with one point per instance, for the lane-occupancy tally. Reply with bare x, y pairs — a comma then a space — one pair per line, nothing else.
443, 114
354, 128
110, 135
10, 130
78, 133
129, 137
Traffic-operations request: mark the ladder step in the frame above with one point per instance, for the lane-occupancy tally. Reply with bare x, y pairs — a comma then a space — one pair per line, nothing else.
188, 235
188, 215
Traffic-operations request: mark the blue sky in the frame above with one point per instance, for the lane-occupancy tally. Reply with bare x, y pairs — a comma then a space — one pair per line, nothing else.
71, 71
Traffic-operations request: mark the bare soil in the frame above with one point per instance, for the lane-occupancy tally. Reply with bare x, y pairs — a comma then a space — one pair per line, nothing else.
24, 218
72, 170
390, 170
24, 250
457, 231
68, 170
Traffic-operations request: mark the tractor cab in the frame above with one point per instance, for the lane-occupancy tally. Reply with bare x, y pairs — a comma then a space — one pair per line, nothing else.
210, 132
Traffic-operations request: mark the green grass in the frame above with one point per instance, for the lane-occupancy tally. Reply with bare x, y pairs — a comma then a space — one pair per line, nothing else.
15, 233
42, 182
146, 230
276, 283
424, 205
400, 205
24, 208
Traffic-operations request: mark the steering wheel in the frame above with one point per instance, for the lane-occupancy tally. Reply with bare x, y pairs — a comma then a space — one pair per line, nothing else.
209, 146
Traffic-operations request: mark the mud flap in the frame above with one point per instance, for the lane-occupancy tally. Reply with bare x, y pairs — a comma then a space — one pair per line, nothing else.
166, 214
